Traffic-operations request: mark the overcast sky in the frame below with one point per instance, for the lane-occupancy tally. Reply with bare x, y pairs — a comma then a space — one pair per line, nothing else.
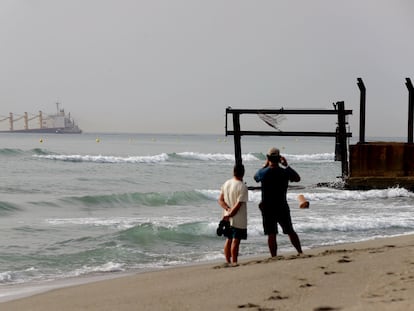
173, 66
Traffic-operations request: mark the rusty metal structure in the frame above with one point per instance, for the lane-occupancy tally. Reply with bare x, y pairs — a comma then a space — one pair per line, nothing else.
340, 133
371, 164
378, 165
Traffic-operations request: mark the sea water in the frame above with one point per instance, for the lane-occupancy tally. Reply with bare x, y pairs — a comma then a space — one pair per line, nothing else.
82, 205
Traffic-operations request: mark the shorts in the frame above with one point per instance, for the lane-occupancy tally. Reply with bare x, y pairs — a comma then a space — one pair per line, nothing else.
237, 233
271, 219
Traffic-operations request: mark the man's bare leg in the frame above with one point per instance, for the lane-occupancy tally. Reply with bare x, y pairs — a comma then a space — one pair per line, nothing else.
227, 250
235, 250
294, 239
271, 241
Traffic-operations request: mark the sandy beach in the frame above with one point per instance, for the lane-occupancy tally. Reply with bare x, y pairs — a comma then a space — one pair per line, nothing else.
373, 275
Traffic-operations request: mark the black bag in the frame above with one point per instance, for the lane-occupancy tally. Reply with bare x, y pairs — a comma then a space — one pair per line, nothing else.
224, 228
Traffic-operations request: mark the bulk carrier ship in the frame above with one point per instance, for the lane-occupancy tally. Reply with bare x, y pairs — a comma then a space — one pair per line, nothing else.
59, 123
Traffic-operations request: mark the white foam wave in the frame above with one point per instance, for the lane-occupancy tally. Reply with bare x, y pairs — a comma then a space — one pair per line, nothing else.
332, 195
320, 157
106, 159
120, 223
106, 267
210, 194
214, 156
317, 157
6, 276
15, 277
353, 195
348, 223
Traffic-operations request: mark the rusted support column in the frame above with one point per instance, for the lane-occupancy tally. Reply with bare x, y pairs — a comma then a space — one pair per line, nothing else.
342, 137
410, 109
362, 111
237, 138
337, 146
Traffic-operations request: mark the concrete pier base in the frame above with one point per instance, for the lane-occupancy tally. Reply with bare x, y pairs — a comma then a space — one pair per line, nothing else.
379, 165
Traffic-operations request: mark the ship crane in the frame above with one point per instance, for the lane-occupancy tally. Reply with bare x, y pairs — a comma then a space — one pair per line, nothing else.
57, 123
18, 118
32, 118
26, 118
12, 120
3, 118
40, 116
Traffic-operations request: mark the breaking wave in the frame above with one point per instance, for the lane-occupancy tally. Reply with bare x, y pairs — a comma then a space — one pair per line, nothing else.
164, 157
144, 199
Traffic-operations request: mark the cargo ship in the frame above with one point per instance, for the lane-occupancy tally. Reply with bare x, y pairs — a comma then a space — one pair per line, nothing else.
59, 123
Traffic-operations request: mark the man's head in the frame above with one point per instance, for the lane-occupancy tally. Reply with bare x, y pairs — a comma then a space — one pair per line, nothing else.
273, 155
238, 170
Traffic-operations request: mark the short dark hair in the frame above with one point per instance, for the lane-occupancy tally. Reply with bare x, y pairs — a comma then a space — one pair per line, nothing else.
273, 158
238, 170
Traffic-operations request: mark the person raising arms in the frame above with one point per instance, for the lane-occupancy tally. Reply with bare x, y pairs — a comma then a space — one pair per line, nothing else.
274, 207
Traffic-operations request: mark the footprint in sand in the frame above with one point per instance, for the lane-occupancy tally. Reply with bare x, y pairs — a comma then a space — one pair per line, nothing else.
224, 265
344, 259
375, 252
252, 305
277, 297
248, 305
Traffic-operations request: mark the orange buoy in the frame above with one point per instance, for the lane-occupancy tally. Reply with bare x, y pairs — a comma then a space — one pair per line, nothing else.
303, 203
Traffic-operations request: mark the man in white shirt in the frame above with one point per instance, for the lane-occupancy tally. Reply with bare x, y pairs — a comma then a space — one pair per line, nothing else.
233, 199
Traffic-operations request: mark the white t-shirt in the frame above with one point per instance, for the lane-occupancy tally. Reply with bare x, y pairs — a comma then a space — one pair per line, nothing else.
236, 191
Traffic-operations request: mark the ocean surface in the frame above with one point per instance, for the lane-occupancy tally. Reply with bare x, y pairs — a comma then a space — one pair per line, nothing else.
83, 205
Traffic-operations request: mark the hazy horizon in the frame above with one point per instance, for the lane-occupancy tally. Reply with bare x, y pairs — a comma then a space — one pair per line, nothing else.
163, 66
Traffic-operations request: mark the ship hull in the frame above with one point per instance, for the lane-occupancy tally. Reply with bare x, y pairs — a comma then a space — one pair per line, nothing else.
56, 130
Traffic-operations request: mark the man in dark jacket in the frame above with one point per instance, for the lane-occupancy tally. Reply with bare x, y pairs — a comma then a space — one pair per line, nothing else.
274, 207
